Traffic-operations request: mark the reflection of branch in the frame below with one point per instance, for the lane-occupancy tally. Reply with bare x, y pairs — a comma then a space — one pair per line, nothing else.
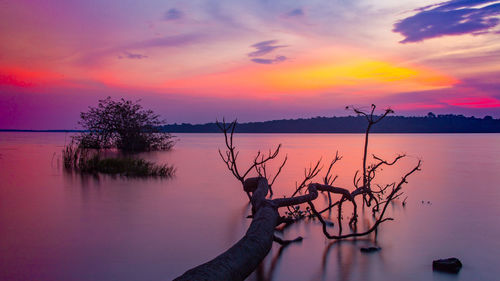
284, 244
344, 266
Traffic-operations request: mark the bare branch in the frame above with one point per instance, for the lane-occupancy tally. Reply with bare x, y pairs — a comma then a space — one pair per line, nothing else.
231, 155
394, 194
309, 174
291, 201
271, 155
279, 170
355, 234
328, 178
242, 259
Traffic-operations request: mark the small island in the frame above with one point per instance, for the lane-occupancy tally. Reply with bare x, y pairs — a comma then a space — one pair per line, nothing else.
122, 128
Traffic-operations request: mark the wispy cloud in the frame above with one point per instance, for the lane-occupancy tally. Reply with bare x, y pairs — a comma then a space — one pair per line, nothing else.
96, 57
295, 13
453, 17
475, 102
128, 55
173, 14
277, 59
168, 41
264, 48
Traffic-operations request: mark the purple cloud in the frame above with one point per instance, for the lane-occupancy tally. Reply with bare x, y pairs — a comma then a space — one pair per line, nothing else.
453, 17
128, 55
295, 13
173, 14
168, 41
277, 59
265, 47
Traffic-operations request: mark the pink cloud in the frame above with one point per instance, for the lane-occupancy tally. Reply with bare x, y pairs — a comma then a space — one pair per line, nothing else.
475, 102
11, 80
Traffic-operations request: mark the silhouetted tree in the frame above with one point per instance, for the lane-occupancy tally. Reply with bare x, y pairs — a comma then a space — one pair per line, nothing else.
243, 257
122, 124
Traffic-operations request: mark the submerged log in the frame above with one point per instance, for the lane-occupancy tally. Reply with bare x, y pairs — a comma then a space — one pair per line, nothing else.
243, 257
239, 261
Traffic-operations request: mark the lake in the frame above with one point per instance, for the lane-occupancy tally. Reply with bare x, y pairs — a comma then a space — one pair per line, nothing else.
56, 225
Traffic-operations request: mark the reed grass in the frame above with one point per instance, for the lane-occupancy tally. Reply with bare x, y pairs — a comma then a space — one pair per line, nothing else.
93, 162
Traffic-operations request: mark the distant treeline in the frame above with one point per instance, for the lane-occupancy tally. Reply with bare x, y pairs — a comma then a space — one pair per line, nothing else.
431, 123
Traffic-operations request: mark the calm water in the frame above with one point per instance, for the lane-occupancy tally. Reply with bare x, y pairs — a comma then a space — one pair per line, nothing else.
60, 226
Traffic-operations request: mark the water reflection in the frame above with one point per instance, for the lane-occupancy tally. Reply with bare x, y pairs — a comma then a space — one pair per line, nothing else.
262, 274
77, 178
61, 226
84, 179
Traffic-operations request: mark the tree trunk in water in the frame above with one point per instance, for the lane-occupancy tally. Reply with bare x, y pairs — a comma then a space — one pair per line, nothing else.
242, 258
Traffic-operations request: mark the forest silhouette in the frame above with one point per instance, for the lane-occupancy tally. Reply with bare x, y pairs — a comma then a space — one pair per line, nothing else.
431, 123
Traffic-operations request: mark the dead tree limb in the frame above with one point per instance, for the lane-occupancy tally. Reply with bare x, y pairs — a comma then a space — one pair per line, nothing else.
230, 155
372, 120
243, 258
380, 219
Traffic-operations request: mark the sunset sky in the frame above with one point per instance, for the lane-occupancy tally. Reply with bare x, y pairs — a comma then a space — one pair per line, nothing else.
198, 60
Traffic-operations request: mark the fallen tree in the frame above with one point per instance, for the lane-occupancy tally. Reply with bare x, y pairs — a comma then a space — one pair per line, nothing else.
239, 261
